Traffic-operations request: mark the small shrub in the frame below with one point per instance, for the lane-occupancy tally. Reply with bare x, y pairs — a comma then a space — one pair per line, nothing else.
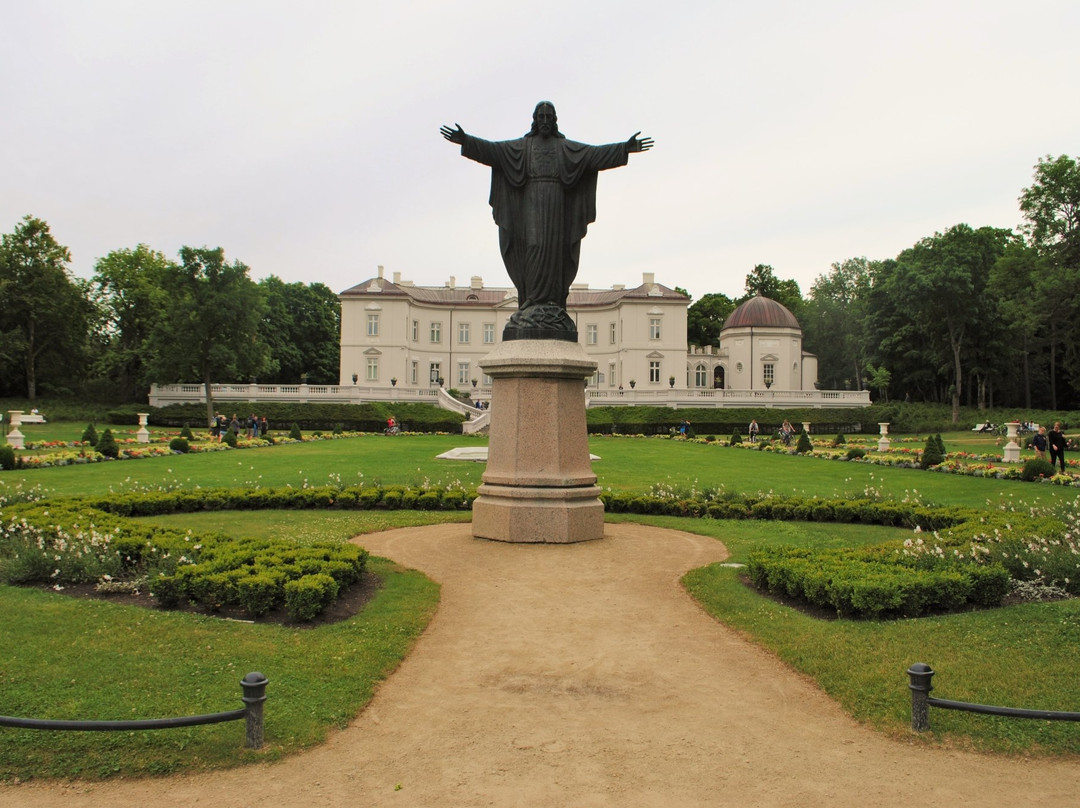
229, 438
7, 458
736, 438
90, 435
856, 453
260, 593
106, 444
307, 597
710, 438
803, 445
294, 432
932, 454
1035, 468
186, 432
839, 439
180, 445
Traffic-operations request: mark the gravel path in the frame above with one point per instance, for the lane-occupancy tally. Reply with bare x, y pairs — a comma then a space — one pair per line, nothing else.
583, 675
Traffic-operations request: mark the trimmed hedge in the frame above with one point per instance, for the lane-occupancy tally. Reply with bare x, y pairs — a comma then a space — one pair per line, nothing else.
969, 562
366, 417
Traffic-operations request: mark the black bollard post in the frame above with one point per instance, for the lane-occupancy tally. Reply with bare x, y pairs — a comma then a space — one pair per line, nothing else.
254, 685
920, 675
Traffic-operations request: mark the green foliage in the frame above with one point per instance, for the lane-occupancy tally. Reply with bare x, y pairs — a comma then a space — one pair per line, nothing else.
839, 440
874, 582
736, 438
46, 317
107, 445
294, 432
180, 444
803, 445
90, 435
931, 454
7, 458
185, 432
856, 453
940, 445
307, 597
1036, 468
367, 417
229, 438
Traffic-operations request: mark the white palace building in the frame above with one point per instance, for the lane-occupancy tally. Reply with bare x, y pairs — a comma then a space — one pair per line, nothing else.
403, 342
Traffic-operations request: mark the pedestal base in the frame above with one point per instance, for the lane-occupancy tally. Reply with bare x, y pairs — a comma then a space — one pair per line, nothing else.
539, 486
538, 515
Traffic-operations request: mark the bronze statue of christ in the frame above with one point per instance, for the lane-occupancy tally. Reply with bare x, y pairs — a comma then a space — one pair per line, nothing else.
543, 198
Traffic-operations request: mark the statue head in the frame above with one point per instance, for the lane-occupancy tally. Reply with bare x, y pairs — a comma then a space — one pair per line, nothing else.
545, 122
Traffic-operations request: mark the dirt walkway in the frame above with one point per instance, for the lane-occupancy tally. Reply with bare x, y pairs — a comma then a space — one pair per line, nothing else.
583, 675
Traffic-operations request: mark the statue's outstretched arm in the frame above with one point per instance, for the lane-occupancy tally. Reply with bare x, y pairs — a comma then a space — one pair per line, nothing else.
634, 144
453, 135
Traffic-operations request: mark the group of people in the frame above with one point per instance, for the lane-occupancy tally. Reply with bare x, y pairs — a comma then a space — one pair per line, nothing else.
252, 427
1054, 441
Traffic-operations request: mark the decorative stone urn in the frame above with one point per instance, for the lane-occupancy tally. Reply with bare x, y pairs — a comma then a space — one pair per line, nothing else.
1012, 448
143, 435
15, 437
883, 442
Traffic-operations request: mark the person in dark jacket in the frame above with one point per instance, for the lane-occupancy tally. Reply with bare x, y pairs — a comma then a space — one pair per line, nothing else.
1056, 439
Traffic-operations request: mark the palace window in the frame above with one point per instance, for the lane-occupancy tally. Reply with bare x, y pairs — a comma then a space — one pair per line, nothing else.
654, 371
769, 373
614, 333
372, 369
463, 373
373, 325
591, 334
463, 333
415, 330
701, 376
654, 328
436, 332
489, 333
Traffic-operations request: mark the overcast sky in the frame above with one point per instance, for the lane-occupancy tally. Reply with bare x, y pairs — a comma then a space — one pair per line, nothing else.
303, 138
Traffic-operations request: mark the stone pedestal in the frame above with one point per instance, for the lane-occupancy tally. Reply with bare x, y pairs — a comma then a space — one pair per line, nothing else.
1012, 448
539, 485
15, 437
143, 434
883, 442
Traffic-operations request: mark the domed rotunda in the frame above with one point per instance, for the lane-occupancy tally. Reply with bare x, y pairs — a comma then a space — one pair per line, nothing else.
761, 349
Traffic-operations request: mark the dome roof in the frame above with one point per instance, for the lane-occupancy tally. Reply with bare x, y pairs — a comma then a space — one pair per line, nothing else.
762, 312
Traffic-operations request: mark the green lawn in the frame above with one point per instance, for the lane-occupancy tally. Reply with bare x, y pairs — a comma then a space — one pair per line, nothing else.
99, 666
626, 464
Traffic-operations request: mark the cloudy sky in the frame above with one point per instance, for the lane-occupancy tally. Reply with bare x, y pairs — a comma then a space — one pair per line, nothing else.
304, 137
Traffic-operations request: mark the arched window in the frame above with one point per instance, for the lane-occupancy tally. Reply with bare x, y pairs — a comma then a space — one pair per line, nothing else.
701, 376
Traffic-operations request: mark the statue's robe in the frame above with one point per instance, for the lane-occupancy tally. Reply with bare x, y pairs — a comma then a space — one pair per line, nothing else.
543, 198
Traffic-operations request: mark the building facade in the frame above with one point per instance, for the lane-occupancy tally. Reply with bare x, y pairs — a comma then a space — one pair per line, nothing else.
397, 334
402, 342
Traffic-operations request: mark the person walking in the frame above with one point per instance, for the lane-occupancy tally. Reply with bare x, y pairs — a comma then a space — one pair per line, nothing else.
1039, 443
1056, 439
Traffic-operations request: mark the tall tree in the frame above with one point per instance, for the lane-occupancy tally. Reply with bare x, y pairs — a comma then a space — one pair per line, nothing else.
302, 328
128, 287
833, 322
1052, 209
763, 281
209, 324
46, 315
943, 281
705, 318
